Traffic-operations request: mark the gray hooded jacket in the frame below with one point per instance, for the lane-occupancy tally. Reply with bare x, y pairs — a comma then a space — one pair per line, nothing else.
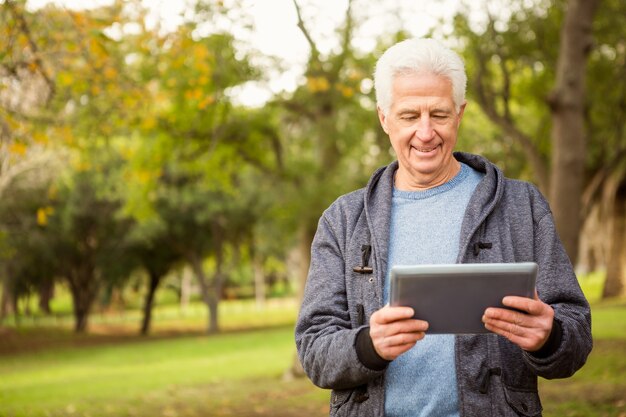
505, 221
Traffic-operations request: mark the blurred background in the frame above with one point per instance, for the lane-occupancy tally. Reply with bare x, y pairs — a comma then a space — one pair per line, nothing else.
163, 166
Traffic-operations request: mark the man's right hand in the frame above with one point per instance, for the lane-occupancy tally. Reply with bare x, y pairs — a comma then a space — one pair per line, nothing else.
394, 331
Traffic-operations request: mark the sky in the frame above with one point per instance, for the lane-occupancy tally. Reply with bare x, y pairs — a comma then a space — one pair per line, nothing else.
276, 33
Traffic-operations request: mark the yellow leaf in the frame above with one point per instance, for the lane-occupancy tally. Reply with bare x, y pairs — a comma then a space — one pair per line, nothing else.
195, 94
345, 91
42, 215
110, 73
65, 79
143, 176
11, 122
203, 80
41, 138
96, 48
317, 84
81, 165
208, 100
149, 123
65, 133
200, 52
18, 149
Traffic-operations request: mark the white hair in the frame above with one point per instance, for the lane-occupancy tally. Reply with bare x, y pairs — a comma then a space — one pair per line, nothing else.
414, 56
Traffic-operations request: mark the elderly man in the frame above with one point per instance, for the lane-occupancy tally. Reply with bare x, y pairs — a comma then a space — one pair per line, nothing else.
433, 206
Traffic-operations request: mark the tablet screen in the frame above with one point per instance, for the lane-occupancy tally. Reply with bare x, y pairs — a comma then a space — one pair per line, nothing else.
453, 297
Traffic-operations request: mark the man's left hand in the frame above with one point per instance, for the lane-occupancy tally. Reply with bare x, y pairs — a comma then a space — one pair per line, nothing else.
529, 331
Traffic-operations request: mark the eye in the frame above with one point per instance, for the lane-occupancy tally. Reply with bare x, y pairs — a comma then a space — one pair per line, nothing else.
409, 117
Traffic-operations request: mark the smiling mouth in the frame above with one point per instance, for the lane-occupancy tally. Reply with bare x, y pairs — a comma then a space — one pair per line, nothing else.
425, 150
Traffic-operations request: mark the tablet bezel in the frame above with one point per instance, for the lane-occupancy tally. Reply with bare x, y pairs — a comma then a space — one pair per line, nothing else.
453, 297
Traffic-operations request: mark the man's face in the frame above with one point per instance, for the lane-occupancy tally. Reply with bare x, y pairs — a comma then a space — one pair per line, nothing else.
422, 125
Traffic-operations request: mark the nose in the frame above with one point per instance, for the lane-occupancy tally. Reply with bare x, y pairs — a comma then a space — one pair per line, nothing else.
424, 130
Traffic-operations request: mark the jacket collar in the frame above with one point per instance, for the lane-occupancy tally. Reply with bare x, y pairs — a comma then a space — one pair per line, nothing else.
487, 194
379, 192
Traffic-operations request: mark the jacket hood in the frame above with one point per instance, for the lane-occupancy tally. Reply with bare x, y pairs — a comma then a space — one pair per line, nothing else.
379, 191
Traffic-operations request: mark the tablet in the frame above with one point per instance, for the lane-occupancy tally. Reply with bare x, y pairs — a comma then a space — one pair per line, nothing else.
453, 297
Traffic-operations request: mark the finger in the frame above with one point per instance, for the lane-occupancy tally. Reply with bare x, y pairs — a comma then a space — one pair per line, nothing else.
507, 316
389, 314
527, 339
401, 339
520, 303
528, 305
409, 326
505, 327
509, 333
391, 347
398, 327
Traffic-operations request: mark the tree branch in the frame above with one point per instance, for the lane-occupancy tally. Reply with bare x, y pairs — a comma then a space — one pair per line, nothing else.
25, 29
487, 101
314, 51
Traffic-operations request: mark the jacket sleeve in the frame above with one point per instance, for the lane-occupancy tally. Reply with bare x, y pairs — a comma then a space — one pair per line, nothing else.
558, 286
325, 337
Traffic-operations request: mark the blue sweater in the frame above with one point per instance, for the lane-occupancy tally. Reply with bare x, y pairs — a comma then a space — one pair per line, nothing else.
425, 229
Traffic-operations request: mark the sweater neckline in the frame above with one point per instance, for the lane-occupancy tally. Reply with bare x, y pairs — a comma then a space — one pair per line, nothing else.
423, 194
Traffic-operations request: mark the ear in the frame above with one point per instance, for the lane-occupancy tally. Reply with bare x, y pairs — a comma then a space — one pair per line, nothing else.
383, 118
461, 112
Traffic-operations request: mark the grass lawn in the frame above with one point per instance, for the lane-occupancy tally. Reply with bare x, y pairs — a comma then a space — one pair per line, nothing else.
181, 376
599, 388
180, 372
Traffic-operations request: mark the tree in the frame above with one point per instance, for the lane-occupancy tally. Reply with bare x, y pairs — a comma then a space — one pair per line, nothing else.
151, 247
87, 235
605, 115
27, 262
569, 138
203, 145
525, 86
334, 140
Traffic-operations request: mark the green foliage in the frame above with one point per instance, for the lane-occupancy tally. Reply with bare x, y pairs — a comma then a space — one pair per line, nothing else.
157, 150
606, 88
510, 63
28, 258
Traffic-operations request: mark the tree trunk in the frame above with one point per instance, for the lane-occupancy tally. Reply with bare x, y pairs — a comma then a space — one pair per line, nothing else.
46, 292
185, 288
7, 303
218, 282
82, 301
615, 284
594, 239
84, 288
210, 294
155, 280
568, 129
259, 278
